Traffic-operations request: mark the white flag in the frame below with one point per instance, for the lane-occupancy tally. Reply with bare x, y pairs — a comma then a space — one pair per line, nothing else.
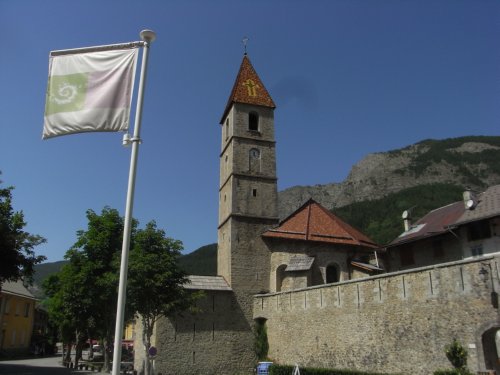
89, 92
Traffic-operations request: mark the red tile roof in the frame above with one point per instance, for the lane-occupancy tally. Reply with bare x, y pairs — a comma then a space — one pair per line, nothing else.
313, 222
435, 222
443, 219
248, 88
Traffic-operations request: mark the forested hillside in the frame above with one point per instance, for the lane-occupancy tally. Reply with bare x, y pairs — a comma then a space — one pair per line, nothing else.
201, 262
381, 219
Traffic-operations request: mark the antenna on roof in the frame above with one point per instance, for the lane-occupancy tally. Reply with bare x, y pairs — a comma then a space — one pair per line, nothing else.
470, 198
407, 218
245, 41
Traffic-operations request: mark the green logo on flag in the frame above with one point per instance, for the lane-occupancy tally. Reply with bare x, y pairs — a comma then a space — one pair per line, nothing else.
66, 93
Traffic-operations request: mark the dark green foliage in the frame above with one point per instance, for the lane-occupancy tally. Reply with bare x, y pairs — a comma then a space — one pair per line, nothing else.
287, 370
202, 262
438, 151
17, 254
381, 219
457, 355
82, 297
261, 343
155, 283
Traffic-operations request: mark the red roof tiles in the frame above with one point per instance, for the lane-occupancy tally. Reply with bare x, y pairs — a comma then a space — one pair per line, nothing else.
435, 222
442, 219
313, 222
248, 88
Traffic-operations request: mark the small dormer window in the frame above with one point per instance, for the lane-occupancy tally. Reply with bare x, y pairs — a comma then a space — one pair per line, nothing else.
253, 121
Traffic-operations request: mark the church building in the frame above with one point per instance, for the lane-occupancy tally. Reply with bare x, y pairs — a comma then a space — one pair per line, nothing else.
316, 284
256, 252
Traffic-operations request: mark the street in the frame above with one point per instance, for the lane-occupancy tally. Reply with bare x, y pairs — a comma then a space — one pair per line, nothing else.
34, 366
38, 366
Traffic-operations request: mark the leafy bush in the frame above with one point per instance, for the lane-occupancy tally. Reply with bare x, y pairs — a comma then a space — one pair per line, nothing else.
457, 355
261, 343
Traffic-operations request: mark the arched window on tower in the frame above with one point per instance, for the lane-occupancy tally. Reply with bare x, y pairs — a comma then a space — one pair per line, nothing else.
253, 121
332, 274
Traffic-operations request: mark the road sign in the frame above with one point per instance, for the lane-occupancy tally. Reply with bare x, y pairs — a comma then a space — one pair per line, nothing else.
152, 351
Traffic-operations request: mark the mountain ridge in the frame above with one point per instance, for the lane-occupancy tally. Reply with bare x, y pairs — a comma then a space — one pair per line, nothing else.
472, 161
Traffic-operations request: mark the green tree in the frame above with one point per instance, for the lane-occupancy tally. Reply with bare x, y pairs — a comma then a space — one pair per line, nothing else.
16, 245
155, 282
69, 304
98, 250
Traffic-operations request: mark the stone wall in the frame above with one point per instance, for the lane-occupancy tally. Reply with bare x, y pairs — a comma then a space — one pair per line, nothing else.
398, 322
217, 339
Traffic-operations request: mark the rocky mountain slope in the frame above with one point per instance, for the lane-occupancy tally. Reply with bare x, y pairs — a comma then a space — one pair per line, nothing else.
467, 161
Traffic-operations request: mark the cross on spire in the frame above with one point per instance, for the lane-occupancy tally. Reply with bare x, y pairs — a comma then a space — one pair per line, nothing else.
251, 86
245, 41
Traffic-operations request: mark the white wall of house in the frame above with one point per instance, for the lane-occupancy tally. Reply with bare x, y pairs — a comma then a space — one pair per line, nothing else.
489, 244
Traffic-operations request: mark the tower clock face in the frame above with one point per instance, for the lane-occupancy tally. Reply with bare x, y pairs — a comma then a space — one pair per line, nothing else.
254, 153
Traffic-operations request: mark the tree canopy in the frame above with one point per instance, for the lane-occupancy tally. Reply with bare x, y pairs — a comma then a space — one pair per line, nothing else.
155, 284
83, 295
16, 245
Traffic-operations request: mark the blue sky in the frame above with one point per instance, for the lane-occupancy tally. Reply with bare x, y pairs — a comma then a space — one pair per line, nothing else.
349, 77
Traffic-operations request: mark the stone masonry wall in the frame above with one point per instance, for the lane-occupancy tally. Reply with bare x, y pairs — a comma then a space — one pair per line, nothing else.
214, 340
397, 323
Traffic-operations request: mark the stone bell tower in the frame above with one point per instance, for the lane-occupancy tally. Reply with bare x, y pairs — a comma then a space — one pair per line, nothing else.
248, 186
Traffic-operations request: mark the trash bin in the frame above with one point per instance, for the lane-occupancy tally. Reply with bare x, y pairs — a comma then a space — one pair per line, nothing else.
263, 368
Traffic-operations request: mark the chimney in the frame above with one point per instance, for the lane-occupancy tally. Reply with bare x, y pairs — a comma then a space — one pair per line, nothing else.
406, 219
470, 200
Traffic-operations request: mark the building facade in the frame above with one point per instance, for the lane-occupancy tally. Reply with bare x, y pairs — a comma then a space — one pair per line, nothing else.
17, 307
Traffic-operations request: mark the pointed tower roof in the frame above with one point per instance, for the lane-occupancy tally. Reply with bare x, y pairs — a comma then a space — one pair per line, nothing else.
248, 88
313, 222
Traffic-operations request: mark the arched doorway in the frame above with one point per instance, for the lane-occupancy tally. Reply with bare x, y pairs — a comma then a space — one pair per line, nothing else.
491, 340
332, 274
280, 276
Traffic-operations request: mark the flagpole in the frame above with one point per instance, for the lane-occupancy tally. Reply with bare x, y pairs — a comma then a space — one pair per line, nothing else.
148, 37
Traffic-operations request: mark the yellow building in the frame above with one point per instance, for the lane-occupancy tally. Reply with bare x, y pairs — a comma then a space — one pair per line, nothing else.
128, 332
17, 306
